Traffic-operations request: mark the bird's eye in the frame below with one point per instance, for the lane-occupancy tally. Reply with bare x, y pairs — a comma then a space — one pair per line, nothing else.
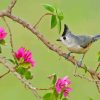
64, 38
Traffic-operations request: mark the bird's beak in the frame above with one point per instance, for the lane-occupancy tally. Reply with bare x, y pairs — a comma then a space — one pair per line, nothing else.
58, 40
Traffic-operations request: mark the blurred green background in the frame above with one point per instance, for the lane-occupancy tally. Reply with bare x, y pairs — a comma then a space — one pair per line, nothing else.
82, 17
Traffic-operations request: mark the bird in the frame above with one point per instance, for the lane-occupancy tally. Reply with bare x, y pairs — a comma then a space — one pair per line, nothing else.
78, 44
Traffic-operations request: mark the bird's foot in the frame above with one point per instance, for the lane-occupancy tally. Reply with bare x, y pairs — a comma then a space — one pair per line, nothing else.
67, 55
79, 63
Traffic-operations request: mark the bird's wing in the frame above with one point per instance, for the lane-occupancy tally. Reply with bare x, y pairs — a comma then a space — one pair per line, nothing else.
84, 41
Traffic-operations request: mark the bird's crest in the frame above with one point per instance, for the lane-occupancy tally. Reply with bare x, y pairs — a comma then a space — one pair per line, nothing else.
65, 30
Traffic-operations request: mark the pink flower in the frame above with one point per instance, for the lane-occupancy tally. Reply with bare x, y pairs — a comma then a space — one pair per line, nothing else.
26, 55
2, 33
62, 85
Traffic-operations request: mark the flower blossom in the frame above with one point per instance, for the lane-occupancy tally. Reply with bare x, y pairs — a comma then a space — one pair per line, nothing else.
25, 55
62, 86
2, 33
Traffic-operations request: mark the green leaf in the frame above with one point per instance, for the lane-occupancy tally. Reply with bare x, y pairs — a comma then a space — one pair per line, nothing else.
47, 96
54, 79
60, 14
11, 60
49, 7
53, 21
90, 99
28, 75
24, 72
99, 53
99, 59
2, 42
21, 70
25, 65
64, 99
59, 26
55, 95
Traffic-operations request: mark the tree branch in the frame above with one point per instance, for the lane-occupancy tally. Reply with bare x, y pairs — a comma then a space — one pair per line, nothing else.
11, 5
43, 39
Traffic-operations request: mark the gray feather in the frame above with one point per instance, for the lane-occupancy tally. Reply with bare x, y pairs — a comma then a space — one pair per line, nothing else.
84, 41
96, 37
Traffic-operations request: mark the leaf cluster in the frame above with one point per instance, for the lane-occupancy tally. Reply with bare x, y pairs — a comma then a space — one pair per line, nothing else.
57, 16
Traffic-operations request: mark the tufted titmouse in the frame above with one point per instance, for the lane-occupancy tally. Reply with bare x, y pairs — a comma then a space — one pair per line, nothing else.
77, 43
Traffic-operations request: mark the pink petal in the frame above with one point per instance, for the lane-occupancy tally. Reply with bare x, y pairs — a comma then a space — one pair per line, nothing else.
69, 89
20, 53
65, 94
2, 33
57, 86
26, 55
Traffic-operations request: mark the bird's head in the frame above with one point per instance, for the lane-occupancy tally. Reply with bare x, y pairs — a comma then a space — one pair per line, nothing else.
64, 35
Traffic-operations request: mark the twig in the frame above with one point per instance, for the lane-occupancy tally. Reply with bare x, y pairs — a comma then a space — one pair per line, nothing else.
51, 88
97, 67
12, 4
18, 76
4, 74
11, 40
82, 76
41, 19
97, 84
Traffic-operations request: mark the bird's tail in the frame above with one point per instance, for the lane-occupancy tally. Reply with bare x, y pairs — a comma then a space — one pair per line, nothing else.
96, 37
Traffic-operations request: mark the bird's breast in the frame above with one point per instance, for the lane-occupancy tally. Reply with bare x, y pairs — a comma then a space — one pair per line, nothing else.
78, 49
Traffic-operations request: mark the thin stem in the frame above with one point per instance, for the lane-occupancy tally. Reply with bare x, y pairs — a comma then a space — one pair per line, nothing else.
97, 67
50, 88
12, 4
11, 39
75, 71
82, 76
4, 74
97, 83
42, 18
